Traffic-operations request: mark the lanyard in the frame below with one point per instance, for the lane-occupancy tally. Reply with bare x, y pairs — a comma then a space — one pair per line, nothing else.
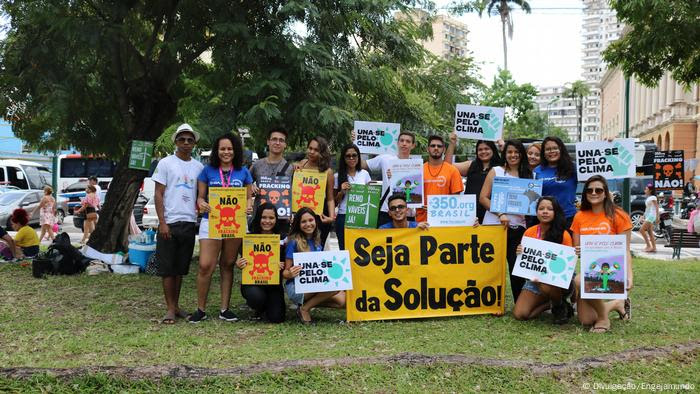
225, 183
539, 232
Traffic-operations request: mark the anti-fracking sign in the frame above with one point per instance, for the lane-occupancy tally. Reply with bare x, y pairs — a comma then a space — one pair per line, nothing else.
668, 170
477, 122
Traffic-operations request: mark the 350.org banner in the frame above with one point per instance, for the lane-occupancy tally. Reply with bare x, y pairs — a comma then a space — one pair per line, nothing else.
413, 273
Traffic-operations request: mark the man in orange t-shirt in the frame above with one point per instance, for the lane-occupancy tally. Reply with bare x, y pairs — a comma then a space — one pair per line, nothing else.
439, 177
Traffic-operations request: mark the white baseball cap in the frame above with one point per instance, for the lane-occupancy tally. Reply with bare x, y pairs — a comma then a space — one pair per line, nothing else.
186, 128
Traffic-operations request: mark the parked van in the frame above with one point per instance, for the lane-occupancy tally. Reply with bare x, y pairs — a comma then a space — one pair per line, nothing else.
24, 174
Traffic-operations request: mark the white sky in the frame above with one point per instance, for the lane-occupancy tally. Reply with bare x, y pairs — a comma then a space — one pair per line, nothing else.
546, 45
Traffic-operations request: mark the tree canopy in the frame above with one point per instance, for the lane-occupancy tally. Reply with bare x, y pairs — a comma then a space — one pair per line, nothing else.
660, 36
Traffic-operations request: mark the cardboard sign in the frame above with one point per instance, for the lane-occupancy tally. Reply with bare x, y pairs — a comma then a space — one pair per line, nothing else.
323, 271
668, 170
604, 266
515, 195
612, 160
263, 254
413, 273
227, 218
275, 189
407, 178
547, 262
362, 206
476, 122
377, 137
309, 190
141, 155
451, 210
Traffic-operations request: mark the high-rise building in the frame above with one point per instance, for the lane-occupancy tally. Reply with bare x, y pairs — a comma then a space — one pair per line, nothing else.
449, 35
561, 111
600, 27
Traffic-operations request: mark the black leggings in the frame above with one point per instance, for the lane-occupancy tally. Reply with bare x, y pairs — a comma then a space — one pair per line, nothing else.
515, 236
266, 300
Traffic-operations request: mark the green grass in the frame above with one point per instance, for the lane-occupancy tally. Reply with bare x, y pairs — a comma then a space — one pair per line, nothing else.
109, 320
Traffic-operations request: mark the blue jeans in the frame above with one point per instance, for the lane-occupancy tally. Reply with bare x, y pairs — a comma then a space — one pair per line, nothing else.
340, 230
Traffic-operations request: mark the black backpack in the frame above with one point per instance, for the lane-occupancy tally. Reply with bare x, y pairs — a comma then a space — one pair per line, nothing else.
61, 258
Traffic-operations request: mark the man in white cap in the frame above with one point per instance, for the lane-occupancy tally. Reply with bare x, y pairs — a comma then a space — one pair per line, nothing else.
175, 198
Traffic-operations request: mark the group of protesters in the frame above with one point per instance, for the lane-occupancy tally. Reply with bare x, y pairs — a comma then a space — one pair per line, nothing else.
182, 187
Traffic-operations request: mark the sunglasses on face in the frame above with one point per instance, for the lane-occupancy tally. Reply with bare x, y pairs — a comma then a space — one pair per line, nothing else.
436, 146
351, 156
397, 208
595, 190
188, 140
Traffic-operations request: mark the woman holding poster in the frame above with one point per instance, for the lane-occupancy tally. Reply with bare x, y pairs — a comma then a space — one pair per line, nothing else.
305, 236
515, 166
600, 216
475, 171
558, 175
536, 297
266, 300
225, 169
318, 157
349, 172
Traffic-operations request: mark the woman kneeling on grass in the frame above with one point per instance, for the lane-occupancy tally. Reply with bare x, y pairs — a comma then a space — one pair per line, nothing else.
266, 300
600, 216
536, 297
305, 236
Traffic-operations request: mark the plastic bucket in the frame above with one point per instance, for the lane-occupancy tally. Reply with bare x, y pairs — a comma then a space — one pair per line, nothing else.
140, 253
125, 269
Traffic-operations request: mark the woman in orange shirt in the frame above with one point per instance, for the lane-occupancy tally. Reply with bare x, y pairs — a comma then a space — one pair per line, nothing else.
536, 297
600, 216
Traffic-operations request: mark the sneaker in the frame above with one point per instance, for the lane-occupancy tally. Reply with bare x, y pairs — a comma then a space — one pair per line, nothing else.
228, 316
562, 313
96, 267
198, 316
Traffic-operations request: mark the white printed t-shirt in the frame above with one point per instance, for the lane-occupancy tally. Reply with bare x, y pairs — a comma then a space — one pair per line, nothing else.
361, 178
180, 180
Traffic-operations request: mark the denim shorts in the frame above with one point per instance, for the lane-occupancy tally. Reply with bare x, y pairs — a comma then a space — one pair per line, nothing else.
531, 287
293, 296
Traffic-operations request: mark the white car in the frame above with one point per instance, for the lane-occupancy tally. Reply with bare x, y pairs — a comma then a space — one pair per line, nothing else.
150, 218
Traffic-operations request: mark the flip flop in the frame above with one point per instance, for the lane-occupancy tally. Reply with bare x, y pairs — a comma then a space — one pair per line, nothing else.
599, 330
167, 319
628, 310
301, 319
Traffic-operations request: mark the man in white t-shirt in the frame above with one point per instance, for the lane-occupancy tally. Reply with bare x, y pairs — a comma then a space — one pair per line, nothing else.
175, 195
406, 143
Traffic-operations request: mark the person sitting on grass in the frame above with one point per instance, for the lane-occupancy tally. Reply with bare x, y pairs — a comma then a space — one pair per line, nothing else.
266, 300
305, 236
26, 240
536, 297
397, 211
7, 248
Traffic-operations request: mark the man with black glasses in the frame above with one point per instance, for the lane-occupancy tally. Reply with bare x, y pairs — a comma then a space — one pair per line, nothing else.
397, 211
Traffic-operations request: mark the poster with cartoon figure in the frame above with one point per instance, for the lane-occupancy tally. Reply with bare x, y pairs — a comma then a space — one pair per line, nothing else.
546, 262
611, 160
275, 189
263, 254
407, 178
323, 271
604, 267
515, 195
478, 122
227, 218
309, 190
376, 137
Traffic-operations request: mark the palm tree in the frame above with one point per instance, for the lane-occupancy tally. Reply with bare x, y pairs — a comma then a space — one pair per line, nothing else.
578, 91
504, 9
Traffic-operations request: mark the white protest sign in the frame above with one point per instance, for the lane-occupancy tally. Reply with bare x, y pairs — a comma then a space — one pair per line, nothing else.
604, 267
476, 122
323, 271
407, 178
376, 137
451, 210
609, 159
548, 262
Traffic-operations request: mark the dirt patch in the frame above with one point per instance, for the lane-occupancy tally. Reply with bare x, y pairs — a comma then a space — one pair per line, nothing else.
689, 350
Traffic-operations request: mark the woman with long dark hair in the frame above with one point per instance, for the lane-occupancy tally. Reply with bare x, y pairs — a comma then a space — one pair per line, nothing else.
558, 175
225, 169
318, 157
600, 216
515, 166
536, 297
487, 157
349, 172
266, 300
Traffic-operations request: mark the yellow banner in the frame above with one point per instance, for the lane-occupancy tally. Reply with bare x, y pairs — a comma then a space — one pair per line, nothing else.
263, 254
413, 273
309, 190
227, 218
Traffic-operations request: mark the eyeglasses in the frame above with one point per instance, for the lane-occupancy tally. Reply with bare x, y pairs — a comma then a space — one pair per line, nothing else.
436, 145
397, 208
351, 156
548, 150
595, 190
188, 140
278, 140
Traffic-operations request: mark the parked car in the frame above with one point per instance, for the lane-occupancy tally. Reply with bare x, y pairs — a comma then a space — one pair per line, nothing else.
141, 200
26, 199
24, 174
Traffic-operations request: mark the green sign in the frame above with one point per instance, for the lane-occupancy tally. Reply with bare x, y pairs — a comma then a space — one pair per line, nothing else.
141, 155
362, 206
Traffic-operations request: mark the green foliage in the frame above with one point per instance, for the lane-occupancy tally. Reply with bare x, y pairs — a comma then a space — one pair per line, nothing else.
663, 36
536, 124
